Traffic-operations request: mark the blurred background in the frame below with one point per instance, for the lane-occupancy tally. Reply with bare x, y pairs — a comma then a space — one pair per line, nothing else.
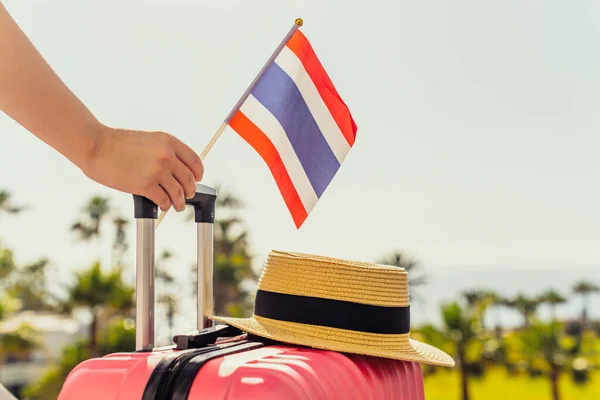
475, 167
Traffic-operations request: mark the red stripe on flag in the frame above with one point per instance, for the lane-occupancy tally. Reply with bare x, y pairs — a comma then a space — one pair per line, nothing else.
300, 45
265, 148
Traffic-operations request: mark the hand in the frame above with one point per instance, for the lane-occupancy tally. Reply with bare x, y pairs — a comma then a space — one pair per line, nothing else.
152, 164
155, 165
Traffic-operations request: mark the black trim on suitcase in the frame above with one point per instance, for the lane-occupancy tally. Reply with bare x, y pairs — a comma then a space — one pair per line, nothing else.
160, 379
190, 370
172, 372
155, 387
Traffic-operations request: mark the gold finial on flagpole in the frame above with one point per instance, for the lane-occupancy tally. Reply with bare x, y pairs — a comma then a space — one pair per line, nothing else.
299, 21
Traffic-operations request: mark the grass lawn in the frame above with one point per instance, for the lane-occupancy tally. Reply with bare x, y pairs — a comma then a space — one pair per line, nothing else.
498, 385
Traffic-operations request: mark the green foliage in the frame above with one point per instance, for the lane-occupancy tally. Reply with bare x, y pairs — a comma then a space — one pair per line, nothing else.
505, 356
88, 226
161, 272
30, 287
461, 322
553, 297
232, 267
94, 288
170, 304
7, 263
499, 385
236, 310
542, 343
428, 333
120, 245
526, 305
584, 287
6, 204
18, 342
119, 336
102, 293
51, 382
232, 259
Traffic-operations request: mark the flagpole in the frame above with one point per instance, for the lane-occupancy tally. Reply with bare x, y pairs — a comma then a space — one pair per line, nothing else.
297, 24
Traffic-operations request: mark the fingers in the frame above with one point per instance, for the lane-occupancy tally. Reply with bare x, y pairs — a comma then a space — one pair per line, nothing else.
189, 158
185, 178
159, 197
174, 190
176, 169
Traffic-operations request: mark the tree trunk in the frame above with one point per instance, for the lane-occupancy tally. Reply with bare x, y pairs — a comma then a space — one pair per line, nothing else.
220, 297
498, 320
93, 333
584, 313
464, 376
554, 380
525, 320
171, 318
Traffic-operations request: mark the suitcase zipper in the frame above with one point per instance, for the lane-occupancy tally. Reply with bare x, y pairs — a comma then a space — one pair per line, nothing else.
190, 370
155, 387
165, 378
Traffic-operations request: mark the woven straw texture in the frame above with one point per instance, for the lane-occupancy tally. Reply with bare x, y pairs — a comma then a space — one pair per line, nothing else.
331, 278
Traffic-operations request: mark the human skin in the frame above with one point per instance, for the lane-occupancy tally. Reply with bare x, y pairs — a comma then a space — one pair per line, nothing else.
155, 165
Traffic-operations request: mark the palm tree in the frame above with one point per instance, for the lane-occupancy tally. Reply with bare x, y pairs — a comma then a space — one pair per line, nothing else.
527, 306
232, 264
584, 289
543, 341
20, 341
6, 205
88, 227
496, 301
99, 291
461, 325
7, 264
553, 299
435, 336
232, 261
480, 300
120, 244
169, 301
31, 287
161, 272
416, 275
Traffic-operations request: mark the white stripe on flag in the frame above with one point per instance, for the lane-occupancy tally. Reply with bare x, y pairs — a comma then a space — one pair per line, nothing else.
291, 64
269, 125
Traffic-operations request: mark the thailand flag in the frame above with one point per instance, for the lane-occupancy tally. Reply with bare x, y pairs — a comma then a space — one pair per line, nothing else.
298, 123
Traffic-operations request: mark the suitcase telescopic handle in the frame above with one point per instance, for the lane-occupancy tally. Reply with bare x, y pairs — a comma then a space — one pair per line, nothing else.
145, 213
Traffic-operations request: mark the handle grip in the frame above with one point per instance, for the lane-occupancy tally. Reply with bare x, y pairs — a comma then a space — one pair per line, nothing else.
204, 202
145, 213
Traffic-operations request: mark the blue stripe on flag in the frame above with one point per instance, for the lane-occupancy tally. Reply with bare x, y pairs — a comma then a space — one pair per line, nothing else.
278, 93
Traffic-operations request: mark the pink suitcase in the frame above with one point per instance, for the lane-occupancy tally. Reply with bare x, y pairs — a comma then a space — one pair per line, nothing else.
221, 362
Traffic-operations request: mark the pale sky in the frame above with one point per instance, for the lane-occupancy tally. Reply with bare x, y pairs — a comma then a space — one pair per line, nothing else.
477, 141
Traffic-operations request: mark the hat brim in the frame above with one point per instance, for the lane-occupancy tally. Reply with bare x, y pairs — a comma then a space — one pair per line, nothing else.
397, 347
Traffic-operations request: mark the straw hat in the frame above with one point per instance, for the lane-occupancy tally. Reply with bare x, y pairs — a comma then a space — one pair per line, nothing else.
333, 304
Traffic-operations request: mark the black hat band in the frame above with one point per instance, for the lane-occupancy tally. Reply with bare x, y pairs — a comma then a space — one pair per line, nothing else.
332, 313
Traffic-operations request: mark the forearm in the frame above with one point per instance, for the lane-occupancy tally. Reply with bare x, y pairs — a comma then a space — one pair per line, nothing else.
34, 96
